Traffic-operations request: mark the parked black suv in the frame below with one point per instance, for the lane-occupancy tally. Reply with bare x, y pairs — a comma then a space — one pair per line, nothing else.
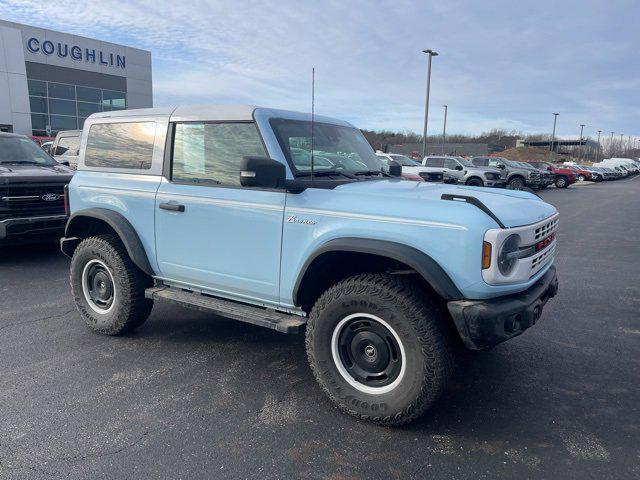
31, 191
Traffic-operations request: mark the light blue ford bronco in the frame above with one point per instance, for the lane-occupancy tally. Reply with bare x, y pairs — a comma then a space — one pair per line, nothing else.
288, 222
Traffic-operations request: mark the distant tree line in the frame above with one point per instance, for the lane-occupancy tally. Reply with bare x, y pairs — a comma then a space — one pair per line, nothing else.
496, 139
499, 140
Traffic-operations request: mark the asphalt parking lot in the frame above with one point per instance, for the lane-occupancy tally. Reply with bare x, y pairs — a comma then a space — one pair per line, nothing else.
190, 396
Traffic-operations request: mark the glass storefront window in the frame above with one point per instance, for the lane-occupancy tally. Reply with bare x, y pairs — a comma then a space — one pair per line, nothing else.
59, 122
37, 87
38, 104
85, 109
62, 107
66, 107
38, 122
60, 90
114, 99
87, 94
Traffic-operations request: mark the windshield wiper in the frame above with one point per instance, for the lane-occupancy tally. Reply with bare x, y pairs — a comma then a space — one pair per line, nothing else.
325, 173
372, 173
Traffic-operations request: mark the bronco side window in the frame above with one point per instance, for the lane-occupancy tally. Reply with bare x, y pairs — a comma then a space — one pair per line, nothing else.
212, 152
120, 145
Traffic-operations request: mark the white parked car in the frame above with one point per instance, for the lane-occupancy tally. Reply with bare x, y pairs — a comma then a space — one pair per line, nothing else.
428, 174
627, 164
66, 147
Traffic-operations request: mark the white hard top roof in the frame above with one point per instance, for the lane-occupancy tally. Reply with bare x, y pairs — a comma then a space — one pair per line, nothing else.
212, 113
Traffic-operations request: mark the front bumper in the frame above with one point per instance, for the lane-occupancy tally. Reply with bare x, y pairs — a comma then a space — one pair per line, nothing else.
483, 324
30, 226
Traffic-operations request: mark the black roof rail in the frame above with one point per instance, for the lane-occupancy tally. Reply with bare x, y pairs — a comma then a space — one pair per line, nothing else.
473, 201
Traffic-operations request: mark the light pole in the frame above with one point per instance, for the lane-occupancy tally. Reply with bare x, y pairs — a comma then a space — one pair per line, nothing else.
444, 128
621, 143
598, 149
580, 143
611, 145
553, 135
431, 54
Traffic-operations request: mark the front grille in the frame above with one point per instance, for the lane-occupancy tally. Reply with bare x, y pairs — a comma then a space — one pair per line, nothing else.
547, 229
431, 176
541, 259
18, 201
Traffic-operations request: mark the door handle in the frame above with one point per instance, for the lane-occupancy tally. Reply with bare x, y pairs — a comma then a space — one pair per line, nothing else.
172, 207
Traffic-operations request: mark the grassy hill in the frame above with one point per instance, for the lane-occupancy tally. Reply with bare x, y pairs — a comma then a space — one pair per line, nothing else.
532, 153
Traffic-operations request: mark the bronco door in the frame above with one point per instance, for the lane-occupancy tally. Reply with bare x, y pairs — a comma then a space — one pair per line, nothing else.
212, 233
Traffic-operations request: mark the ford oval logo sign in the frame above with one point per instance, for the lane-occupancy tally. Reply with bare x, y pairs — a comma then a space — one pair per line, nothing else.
50, 197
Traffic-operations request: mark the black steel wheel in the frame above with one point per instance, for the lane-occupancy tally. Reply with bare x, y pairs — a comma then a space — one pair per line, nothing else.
97, 286
368, 353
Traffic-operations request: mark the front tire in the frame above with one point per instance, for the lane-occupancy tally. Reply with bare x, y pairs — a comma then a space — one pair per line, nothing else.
108, 288
581, 178
475, 182
516, 184
379, 347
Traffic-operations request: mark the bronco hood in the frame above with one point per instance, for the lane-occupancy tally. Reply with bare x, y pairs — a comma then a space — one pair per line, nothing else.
513, 208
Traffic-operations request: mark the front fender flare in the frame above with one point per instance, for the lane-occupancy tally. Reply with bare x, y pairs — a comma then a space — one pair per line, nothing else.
422, 263
118, 223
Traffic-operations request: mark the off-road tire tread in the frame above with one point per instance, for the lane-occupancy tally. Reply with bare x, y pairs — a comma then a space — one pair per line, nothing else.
427, 319
130, 283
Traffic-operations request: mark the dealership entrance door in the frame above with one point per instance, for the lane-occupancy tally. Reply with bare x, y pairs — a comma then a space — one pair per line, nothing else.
6, 128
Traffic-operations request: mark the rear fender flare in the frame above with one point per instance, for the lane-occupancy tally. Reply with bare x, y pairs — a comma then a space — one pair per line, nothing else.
76, 230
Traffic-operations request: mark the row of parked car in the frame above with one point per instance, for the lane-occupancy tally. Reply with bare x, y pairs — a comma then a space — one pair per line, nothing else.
485, 171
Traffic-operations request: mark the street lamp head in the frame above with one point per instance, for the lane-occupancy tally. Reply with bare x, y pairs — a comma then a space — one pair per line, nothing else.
556, 114
433, 53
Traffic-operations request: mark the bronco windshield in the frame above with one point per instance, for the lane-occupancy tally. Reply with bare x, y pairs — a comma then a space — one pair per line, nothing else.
335, 147
21, 150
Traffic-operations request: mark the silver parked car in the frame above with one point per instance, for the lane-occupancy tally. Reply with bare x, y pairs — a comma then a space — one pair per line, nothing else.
466, 172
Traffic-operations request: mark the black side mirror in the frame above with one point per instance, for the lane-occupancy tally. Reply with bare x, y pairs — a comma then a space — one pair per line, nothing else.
261, 172
63, 162
395, 169
501, 166
458, 167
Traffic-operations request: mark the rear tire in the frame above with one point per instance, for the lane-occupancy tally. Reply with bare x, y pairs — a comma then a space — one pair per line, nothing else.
581, 178
108, 288
561, 182
374, 323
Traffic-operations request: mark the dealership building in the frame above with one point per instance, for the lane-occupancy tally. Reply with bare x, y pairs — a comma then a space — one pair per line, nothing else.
52, 81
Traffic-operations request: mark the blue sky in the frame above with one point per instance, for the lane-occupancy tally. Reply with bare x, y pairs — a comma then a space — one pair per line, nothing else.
502, 64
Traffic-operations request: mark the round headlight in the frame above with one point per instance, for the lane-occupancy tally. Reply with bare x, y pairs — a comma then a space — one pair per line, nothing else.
508, 254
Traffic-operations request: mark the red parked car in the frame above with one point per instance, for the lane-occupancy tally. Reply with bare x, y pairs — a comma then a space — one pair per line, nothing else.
564, 176
583, 174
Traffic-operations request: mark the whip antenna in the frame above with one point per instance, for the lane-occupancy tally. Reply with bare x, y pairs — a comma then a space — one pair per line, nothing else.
313, 97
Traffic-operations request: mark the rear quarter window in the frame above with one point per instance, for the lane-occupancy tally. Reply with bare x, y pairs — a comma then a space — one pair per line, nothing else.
120, 145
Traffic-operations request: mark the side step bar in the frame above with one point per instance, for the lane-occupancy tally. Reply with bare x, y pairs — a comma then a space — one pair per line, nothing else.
282, 322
